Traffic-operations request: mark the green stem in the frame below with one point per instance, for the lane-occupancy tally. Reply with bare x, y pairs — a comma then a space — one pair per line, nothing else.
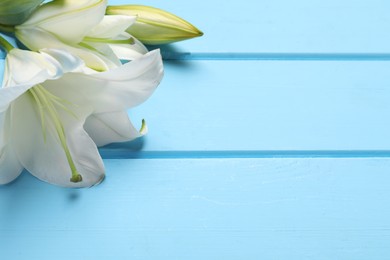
109, 41
7, 28
5, 44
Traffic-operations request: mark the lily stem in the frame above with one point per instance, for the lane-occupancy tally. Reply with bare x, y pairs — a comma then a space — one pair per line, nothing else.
5, 44
7, 28
109, 41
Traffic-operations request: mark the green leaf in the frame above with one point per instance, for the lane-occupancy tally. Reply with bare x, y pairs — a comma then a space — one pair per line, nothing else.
14, 12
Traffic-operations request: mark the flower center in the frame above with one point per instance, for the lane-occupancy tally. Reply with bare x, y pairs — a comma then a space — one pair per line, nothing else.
48, 105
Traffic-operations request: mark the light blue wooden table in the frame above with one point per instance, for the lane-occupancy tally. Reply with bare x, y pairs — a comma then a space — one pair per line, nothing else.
269, 139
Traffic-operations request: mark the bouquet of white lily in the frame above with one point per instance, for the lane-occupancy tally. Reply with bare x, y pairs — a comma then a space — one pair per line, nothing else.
68, 92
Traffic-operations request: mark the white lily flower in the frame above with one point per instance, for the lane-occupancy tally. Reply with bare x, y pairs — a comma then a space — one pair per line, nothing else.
51, 113
80, 27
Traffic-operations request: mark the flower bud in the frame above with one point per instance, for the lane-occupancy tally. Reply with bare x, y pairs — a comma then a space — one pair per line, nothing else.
14, 12
155, 26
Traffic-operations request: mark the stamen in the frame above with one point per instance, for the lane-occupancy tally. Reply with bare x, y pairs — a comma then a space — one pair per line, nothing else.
46, 102
41, 113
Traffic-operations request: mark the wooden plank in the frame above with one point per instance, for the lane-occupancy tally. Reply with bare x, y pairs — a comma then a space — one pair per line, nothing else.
205, 209
279, 26
266, 106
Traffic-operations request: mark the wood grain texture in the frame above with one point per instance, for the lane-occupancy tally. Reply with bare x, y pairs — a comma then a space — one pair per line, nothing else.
205, 209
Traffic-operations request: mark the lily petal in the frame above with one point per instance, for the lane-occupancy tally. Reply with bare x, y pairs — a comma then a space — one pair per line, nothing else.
105, 53
36, 39
37, 67
115, 51
117, 89
8, 95
105, 128
129, 51
74, 17
41, 153
111, 26
10, 168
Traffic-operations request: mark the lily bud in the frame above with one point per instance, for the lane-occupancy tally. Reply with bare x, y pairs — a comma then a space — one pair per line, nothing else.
155, 26
14, 12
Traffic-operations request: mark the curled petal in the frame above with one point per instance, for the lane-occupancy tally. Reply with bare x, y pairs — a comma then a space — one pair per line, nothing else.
37, 67
105, 128
114, 90
130, 84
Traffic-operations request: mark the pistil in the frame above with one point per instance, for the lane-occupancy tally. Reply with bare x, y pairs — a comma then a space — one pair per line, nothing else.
46, 104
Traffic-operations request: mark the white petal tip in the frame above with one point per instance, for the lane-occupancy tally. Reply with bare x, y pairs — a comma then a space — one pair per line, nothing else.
100, 180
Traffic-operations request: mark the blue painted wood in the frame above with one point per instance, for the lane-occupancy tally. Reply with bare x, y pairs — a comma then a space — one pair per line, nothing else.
205, 209
257, 192
280, 26
267, 106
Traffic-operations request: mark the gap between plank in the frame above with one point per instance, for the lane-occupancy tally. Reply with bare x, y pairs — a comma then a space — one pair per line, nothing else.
270, 56
131, 154
277, 56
